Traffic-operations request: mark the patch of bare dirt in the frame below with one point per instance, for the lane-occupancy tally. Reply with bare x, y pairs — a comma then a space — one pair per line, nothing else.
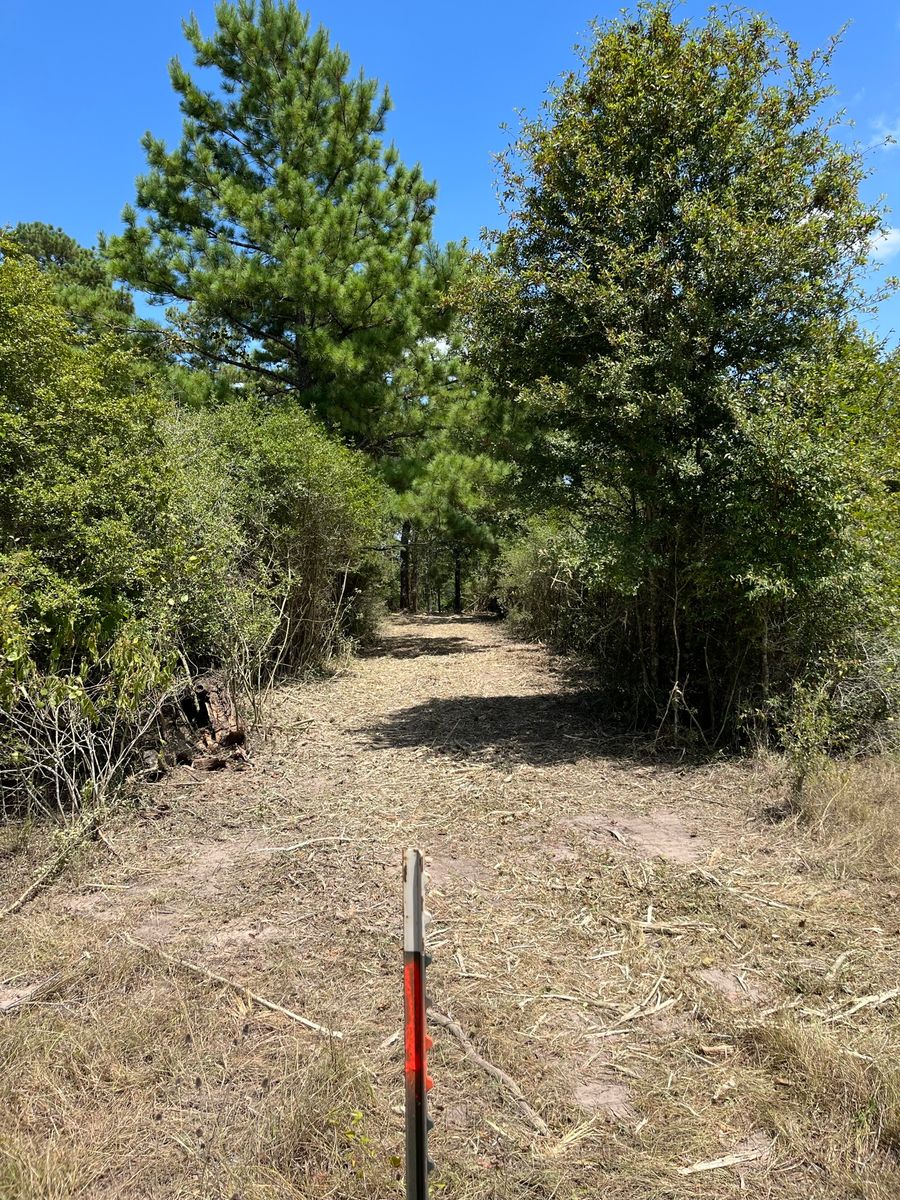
732, 984
443, 869
9, 995
170, 889
246, 932
562, 854
611, 1099
658, 834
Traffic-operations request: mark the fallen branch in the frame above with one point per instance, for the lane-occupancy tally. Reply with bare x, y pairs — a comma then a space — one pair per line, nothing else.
736, 891
534, 1119
316, 841
79, 834
638, 1013
46, 988
653, 926
213, 977
874, 1001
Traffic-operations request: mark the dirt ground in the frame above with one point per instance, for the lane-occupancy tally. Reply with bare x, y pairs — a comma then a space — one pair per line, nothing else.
692, 1000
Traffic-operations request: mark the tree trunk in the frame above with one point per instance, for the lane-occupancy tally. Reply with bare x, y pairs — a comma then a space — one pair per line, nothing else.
765, 657
413, 574
457, 579
404, 564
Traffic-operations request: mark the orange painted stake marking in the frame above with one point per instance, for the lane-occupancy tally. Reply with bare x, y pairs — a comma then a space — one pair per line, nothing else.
416, 1040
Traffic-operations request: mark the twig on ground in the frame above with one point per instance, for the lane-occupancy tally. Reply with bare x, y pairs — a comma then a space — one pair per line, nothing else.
594, 1001
653, 927
389, 1041
213, 977
108, 844
46, 988
874, 1001
316, 841
729, 1160
534, 1119
73, 840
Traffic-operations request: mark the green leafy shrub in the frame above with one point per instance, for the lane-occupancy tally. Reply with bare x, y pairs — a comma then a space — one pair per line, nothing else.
278, 530
83, 482
540, 585
141, 542
84, 487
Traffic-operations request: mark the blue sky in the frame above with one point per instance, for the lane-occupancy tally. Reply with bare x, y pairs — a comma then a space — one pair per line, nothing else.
81, 83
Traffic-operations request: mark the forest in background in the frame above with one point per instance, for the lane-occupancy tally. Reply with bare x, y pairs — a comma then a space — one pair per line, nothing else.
643, 418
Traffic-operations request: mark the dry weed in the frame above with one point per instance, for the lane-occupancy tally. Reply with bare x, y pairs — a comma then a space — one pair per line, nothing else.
853, 809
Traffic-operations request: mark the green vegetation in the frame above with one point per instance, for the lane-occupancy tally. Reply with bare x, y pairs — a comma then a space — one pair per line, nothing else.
670, 312
644, 418
141, 542
289, 239
84, 482
645, 421
84, 283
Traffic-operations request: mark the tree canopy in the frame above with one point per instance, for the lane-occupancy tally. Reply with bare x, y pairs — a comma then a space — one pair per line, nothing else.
681, 269
81, 276
643, 417
287, 237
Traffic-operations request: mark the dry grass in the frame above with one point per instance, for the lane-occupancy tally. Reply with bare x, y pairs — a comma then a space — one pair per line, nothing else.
853, 808
127, 1083
671, 981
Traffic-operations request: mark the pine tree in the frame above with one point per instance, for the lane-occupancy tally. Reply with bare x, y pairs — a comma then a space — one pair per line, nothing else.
79, 275
287, 238
448, 478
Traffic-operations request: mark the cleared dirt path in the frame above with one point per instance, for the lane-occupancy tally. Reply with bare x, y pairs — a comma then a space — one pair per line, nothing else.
618, 931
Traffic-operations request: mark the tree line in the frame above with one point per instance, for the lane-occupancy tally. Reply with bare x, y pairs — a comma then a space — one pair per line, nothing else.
643, 416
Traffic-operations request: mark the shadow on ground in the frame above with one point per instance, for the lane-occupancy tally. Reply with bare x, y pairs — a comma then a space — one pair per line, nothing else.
410, 646
547, 728
569, 725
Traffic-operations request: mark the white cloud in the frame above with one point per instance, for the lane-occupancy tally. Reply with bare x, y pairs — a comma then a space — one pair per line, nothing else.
887, 134
885, 244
